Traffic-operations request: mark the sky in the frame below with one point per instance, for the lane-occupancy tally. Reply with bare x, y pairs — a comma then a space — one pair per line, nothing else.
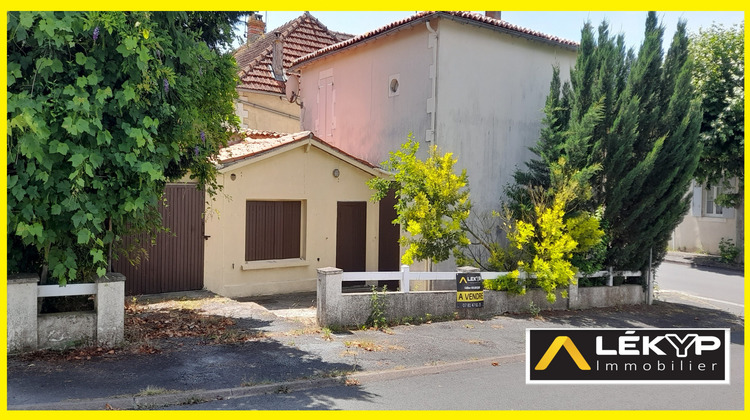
566, 24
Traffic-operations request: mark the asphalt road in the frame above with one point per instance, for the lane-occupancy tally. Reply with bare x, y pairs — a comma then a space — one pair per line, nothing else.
485, 386
490, 387
709, 287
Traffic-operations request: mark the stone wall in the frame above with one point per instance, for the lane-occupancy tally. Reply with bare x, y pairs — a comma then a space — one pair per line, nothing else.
338, 309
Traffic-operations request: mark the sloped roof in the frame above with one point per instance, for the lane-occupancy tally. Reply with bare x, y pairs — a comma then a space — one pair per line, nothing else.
254, 143
466, 17
300, 37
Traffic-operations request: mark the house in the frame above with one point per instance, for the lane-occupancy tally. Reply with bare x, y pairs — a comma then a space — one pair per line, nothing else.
291, 204
263, 61
706, 224
472, 84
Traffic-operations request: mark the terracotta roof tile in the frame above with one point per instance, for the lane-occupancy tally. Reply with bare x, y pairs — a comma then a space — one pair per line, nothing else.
251, 143
470, 17
300, 37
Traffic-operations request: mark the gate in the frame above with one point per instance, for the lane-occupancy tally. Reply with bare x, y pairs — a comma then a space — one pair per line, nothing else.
175, 262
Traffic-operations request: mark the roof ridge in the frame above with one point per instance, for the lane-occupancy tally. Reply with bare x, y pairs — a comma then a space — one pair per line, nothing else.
300, 36
476, 17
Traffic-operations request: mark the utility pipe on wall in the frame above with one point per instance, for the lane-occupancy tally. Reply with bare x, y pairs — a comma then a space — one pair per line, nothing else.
432, 42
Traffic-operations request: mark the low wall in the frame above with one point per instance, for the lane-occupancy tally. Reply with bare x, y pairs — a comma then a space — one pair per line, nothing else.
28, 330
65, 329
338, 309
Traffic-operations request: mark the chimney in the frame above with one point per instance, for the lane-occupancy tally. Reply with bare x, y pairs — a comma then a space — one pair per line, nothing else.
255, 27
493, 15
277, 58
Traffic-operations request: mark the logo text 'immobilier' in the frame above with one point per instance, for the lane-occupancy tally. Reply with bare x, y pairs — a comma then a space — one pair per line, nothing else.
610, 355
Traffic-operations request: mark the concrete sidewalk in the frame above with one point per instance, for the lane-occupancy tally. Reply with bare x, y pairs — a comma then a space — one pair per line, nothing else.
293, 355
700, 260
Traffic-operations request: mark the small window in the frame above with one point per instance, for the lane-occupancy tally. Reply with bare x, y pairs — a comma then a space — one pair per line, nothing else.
394, 85
711, 208
273, 230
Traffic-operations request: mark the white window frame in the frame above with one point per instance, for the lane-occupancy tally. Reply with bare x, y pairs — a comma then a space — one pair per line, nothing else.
710, 208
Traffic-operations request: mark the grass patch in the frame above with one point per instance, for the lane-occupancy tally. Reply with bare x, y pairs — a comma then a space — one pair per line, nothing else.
153, 390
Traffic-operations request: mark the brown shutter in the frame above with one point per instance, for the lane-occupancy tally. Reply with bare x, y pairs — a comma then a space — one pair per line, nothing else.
273, 230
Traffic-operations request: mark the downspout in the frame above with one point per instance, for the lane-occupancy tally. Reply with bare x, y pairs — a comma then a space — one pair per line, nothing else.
432, 42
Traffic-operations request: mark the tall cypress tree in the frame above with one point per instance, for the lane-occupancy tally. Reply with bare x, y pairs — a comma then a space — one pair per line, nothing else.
633, 127
666, 151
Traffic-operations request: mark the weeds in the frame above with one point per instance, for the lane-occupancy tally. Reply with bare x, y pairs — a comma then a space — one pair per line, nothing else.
327, 335
152, 390
534, 309
377, 318
728, 250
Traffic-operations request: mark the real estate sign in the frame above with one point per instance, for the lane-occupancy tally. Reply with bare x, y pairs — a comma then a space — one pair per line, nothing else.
469, 290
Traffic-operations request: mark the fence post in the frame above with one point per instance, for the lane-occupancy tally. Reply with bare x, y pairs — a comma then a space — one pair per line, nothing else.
22, 312
573, 294
405, 278
329, 295
610, 278
110, 309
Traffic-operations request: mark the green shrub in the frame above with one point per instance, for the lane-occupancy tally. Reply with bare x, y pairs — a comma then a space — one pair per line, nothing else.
508, 283
728, 251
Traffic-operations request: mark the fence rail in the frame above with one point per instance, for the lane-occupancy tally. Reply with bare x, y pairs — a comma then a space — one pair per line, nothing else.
53, 290
405, 276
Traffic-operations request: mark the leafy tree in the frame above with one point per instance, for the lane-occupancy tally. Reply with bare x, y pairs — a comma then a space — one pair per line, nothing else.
719, 79
551, 239
432, 201
105, 108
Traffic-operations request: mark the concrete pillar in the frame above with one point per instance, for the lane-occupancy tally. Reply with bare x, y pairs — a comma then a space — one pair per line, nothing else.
573, 295
22, 312
329, 295
110, 309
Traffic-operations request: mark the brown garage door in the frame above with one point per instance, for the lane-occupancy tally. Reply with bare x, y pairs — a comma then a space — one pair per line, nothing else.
175, 262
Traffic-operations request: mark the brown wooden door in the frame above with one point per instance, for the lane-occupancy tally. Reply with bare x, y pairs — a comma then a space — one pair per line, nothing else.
388, 234
175, 262
351, 235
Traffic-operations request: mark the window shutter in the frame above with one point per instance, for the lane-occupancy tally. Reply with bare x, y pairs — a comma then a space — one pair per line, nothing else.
273, 230
697, 210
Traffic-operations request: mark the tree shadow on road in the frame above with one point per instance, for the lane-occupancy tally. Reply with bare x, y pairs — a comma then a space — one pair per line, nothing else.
661, 315
172, 350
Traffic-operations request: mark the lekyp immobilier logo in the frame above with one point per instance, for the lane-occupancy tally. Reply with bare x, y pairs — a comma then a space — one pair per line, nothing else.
615, 355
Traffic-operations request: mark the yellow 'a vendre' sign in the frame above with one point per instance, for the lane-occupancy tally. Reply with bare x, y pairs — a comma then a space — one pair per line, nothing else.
469, 290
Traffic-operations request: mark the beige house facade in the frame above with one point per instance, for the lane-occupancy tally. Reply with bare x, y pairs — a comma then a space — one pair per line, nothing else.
707, 223
290, 204
263, 103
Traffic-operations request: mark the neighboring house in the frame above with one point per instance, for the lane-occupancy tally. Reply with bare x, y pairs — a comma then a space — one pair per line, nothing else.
263, 60
472, 84
705, 224
291, 204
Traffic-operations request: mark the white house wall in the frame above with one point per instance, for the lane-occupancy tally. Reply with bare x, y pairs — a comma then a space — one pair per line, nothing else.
491, 94
368, 123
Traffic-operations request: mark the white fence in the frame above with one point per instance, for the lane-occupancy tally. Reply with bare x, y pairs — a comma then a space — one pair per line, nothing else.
406, 276
337, 308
